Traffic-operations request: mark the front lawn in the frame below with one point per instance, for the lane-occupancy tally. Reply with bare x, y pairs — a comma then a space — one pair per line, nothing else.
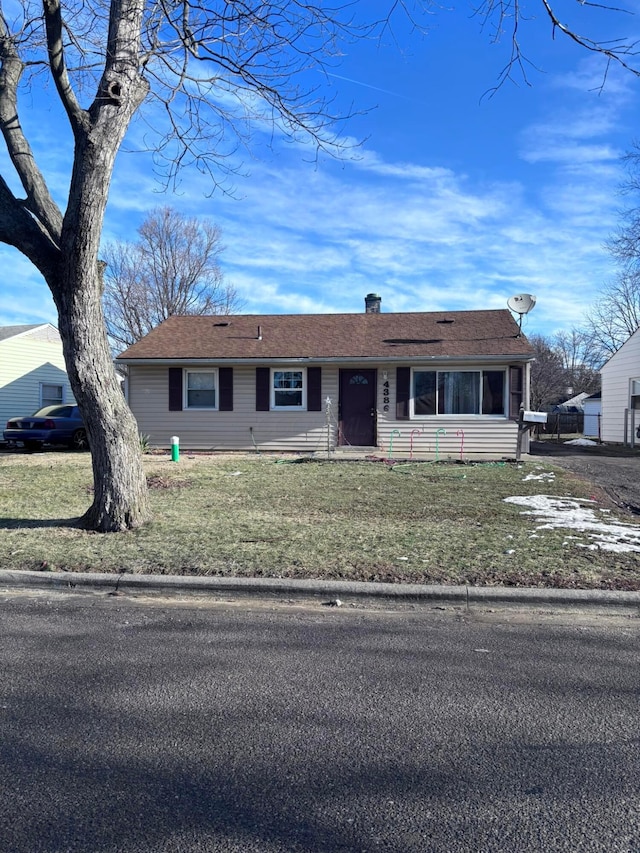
270, 516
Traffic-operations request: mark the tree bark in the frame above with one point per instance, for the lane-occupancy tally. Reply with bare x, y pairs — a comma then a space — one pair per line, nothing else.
120, 491
120, 498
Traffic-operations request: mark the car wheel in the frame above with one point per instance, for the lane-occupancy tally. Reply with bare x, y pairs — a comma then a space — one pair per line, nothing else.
32, 445
79, 440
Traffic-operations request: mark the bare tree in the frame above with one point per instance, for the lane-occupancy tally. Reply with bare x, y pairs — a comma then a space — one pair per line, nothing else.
564, 365
171, 269
548, 375
206, 73
615, 315
625, 243
580, 358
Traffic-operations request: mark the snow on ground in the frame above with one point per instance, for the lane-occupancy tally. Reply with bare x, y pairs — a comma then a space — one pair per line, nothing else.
568, 513
582, 442
545, 475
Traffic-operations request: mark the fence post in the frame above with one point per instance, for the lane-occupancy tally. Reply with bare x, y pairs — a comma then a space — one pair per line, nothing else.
626, 427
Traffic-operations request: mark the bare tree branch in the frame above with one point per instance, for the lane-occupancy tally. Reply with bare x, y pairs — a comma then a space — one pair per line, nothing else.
18, 228
54, 29
507, 19
38, 201
173, 268
565, 365
617, 51
615, 316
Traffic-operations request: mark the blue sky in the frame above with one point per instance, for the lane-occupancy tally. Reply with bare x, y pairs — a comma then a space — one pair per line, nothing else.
452, 201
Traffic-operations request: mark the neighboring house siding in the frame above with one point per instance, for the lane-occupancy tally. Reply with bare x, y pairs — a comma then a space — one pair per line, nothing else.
26, 362
244, 428
617, 374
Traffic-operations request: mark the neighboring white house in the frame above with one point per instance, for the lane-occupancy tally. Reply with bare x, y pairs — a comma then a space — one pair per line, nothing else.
32, 370
621, 393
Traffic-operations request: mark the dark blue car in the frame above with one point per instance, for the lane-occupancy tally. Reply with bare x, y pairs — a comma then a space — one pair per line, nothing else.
51, 425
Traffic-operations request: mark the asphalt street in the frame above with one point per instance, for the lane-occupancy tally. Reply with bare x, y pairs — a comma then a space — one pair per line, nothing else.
131, 725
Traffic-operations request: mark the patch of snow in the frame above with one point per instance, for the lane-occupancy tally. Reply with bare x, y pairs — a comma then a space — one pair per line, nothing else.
546, 475
568, 513
582, 442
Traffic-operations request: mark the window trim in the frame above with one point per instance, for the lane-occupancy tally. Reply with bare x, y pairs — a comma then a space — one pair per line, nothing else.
185, 389
480, 370
272, 389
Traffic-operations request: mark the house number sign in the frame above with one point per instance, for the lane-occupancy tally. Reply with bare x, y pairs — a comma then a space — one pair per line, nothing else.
385, 396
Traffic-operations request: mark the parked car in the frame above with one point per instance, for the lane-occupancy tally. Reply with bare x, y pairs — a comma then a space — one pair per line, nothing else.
51, 425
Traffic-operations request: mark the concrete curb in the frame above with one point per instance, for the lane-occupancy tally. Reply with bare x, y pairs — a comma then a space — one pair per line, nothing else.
176, 585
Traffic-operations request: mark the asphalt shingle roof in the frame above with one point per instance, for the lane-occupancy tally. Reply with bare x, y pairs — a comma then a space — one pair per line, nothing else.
7, 332
444, 334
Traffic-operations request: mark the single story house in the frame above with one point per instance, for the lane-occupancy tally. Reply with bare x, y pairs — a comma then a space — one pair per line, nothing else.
448, 382
32, 370
621, 393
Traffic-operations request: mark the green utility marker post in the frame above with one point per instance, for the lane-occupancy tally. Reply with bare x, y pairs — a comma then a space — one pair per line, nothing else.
175, 448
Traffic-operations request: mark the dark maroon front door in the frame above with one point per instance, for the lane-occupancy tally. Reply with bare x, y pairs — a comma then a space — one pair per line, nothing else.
358, 408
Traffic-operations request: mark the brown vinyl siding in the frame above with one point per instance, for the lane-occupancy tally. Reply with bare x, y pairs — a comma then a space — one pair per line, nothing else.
148, 393
244, 428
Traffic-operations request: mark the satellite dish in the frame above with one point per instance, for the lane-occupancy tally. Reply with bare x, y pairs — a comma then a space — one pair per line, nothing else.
521, 304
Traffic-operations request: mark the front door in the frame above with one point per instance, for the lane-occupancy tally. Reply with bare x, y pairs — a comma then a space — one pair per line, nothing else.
358, 408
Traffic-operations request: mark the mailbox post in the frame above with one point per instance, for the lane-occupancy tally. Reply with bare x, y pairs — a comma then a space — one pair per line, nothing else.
527, 420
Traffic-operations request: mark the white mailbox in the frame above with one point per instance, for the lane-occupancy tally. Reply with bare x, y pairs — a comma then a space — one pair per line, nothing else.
534, 417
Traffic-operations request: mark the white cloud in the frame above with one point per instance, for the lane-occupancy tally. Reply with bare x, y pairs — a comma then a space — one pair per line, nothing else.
314, 238
571, 154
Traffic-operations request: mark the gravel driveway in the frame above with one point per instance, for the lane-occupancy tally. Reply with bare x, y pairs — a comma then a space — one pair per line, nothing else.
614, 469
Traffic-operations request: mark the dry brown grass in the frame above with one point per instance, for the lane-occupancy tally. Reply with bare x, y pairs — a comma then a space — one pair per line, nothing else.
293, 517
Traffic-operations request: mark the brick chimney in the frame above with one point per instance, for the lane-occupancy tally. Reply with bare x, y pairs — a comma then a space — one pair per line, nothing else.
372, 303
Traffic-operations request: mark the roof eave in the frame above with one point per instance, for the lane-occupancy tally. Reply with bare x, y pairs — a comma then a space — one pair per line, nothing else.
402, 359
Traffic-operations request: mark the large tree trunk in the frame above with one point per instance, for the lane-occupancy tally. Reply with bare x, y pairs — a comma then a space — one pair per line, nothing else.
120, 491
65, 249
120, 499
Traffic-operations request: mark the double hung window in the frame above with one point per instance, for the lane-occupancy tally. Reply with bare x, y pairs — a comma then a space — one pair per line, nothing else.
288, 389
201, 389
